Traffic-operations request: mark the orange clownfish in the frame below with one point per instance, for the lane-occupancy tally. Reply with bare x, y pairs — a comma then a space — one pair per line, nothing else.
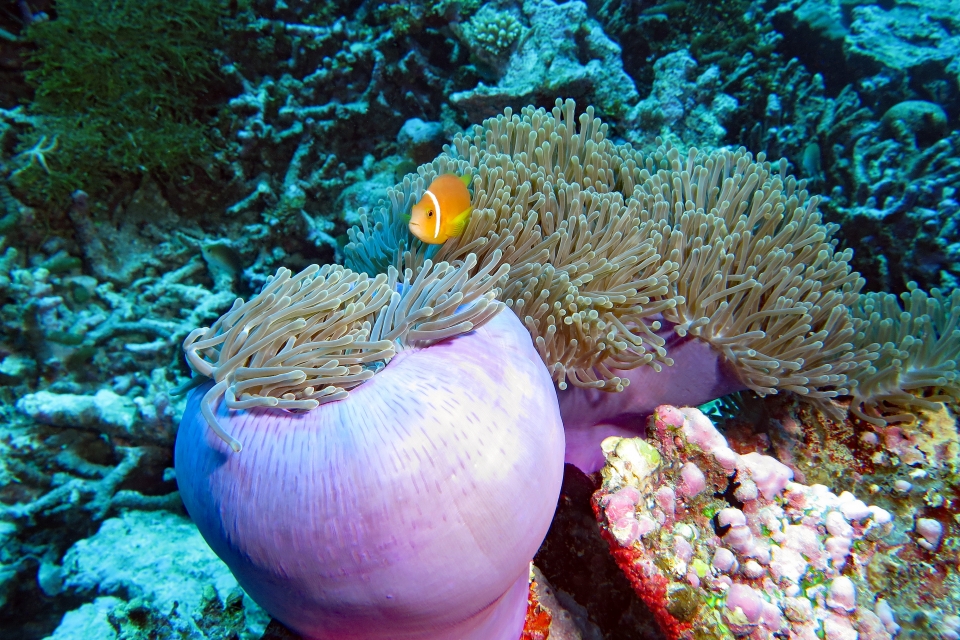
443, 211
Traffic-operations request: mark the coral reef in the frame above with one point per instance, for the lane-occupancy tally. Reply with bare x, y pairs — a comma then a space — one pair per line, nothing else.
874, 135
715, 33
58, 486
491, 34
684, 104
915, 43
716, 259
147, 181
319, 101
576, 559
143, 68
908, 469
87, 377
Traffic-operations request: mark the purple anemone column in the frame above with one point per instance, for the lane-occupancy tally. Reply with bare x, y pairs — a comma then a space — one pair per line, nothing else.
409, 510
699, 374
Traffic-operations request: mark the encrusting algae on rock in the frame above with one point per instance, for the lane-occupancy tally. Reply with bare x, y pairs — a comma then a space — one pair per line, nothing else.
723, 545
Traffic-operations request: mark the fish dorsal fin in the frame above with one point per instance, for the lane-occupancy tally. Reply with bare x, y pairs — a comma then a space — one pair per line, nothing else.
466, 179
436, 207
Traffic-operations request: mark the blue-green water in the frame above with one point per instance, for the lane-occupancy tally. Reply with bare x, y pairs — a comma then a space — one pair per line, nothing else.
752, 205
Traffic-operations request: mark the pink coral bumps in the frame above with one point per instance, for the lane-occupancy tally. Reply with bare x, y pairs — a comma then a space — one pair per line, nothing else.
410, 509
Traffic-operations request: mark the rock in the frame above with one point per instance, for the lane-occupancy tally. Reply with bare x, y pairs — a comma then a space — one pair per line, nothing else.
160, 558
916, 123
918, 37
106, 412
564, 625
685, 103
89, 622
16, 369
422, 140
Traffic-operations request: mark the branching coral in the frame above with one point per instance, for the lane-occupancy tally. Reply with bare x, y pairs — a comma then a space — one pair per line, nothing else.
561, 49
65, 480
891, 182
792, 114
490, 33
685, 103
294, 146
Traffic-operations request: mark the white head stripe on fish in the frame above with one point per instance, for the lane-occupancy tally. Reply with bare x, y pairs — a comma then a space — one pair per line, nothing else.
436, 207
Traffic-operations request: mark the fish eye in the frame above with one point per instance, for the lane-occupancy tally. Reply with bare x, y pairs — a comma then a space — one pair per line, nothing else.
429, 214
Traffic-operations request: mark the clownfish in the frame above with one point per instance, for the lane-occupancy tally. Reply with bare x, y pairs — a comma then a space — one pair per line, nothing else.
443, 211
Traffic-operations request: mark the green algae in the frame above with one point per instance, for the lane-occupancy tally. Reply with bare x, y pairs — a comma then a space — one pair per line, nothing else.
119, 87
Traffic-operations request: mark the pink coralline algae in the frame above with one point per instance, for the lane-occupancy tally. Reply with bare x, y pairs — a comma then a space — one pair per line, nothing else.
721, 544
930, 531
409, 510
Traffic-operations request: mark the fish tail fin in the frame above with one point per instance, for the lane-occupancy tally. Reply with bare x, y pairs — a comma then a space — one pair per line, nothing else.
460, 222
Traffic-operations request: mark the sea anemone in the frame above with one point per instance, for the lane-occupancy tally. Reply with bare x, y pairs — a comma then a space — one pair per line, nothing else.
585, 272
657, 277
918, 345
387, 455
762, 295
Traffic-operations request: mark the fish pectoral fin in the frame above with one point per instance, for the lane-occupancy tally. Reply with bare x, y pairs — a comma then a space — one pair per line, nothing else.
460, 222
